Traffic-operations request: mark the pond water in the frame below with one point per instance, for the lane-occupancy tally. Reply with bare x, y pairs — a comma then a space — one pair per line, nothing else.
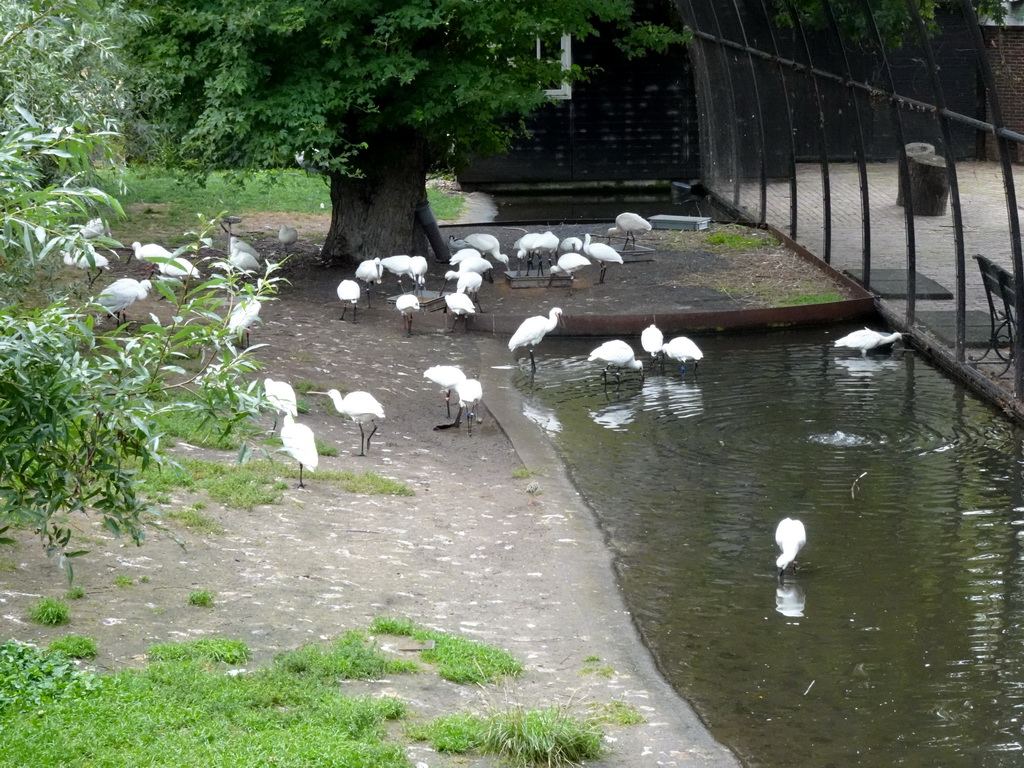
900, 641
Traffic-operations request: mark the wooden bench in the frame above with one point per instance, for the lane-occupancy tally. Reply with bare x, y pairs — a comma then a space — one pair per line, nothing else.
1002, 300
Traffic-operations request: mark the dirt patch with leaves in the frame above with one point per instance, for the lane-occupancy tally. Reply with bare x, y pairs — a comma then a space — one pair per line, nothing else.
484, 548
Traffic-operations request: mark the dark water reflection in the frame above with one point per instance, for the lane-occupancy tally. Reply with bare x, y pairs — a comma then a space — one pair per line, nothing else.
902, 639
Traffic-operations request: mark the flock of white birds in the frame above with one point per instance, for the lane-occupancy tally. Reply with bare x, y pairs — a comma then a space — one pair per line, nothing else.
472, 259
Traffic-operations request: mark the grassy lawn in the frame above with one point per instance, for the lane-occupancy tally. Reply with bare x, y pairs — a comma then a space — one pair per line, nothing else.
154, 199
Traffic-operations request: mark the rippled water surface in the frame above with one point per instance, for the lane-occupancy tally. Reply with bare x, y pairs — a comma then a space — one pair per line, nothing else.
901, 639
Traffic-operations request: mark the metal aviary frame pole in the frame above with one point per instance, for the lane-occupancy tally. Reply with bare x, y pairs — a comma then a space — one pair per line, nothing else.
1011, 195
960, 339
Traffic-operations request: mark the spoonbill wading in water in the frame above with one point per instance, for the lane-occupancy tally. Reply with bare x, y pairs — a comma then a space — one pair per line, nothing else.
866, 340
791, 537
532, 330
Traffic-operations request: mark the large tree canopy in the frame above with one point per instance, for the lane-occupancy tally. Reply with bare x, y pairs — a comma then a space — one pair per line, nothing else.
374, 93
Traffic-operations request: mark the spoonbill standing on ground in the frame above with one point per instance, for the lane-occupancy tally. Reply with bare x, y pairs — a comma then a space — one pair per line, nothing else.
240, 260
178, 268
460, 305
618, 354
95, 228
567, 265
362, 408
146, 253
462, 254
791, 537
487, 245
121, 294
412, 266
532, 330
469, 283
370, 272
571, 245
629, 224
287, 236
866, 340
242, 315
446, 377
299, 443
408, 304
237, 245
682, 349
88, 260
652, 340
281, 397
601, 252
469, 392
348, 292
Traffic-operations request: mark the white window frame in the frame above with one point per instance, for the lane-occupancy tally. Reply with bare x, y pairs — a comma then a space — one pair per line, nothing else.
564, 93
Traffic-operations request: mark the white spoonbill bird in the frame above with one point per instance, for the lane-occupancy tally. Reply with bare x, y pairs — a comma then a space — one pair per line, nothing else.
629, 224
281, 397
121, 294
150, 251
88, 260
487, 245
601, 252
470, 393
571, 245
401, 266
459, 305
532, 330
446, 377
362, 408
178, 268
616, 354
348, 292
242, 315
791, 537
299, 443
287, 236
682, 349
238, 245
463, 254
866, 340
408, 304
370, 271
568, 264
652, 340
94, 228
469, 283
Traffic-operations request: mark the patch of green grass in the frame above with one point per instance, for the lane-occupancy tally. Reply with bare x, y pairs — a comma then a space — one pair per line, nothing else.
816, 298
30, 678
454, 734
201, 598
325, 449
601, 670
456, 658
738, 241
351, 657
616, 712
244, 486
7, 566
75, 646
75, 593
592, 659
304, 387
156, 202
521, 473
50, 612
194, 520
548, 737
124, 581
177, 714
204, 649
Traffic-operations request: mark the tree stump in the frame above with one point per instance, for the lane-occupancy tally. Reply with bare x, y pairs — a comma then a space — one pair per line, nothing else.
929, 185
913, 149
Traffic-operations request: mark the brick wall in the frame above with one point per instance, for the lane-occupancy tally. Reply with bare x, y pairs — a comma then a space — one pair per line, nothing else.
1006, 53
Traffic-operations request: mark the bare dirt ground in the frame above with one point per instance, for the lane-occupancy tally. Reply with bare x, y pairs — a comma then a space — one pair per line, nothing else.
472, 553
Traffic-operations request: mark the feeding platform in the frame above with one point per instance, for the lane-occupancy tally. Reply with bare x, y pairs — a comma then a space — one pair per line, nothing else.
429, 300
635, 253
519, 279
666, 221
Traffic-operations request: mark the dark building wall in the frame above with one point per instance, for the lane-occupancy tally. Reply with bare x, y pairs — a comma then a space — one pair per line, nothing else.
632, 120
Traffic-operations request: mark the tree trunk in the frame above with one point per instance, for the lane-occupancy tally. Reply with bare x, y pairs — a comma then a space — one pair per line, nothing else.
913, 149
375, 215
929, 185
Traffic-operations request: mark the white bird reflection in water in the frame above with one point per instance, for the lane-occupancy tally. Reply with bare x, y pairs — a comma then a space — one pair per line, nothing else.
542, 416
615, 416
868, 366
790, 598
665, 394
